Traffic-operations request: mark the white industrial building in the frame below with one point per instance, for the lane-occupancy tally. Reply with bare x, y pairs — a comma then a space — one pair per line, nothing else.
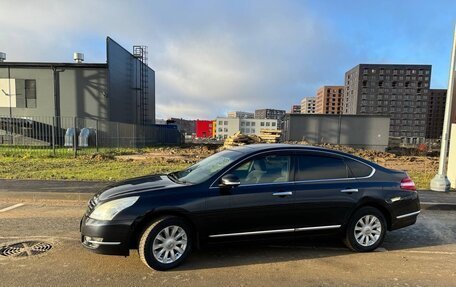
229, 126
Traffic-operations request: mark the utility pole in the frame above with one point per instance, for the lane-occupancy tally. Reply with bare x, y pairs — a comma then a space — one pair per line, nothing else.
440, 181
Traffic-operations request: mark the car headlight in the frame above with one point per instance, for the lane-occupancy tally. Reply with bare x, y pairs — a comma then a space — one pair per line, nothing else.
107, 211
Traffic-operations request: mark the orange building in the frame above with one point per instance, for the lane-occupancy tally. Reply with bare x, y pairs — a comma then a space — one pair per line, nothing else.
329, 100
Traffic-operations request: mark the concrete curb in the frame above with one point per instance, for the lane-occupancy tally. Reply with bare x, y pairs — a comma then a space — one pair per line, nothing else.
438, 206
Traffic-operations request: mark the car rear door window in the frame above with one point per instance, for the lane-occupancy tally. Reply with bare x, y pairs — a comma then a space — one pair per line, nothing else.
265, 169
316, 167
358, 169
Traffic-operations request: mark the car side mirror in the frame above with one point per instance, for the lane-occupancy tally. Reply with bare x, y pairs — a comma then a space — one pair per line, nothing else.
230, 180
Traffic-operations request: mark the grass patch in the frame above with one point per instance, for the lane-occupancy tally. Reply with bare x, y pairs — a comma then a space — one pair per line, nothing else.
81, 168
41, 163
422, 179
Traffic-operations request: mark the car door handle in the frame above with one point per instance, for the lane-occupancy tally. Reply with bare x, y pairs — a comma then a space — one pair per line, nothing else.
283, 193
349, 190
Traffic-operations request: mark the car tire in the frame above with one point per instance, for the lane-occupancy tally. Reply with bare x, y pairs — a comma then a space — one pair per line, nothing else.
165, 243
366, 230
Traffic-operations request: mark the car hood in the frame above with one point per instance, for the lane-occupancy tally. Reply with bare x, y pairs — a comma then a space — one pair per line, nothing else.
137, 185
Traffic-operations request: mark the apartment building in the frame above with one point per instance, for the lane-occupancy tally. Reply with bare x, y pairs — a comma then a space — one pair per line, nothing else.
398, 91
308, 105
329, 100
270, 114
295, 109
241, 115
229, 126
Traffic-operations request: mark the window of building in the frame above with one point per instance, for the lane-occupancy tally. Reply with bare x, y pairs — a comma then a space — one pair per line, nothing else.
30, 93
262, 124
253, 124
225, 123
273, 124
220, 123
225, 130
268, 124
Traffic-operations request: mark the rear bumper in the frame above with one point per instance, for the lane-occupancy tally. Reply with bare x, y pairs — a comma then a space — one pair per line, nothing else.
405, 220
106, 237
406, 210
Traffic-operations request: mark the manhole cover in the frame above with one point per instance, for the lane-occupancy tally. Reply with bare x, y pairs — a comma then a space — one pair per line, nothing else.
25, 249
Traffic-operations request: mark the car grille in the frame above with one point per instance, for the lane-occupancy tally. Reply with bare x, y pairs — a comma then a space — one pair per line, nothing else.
91, 204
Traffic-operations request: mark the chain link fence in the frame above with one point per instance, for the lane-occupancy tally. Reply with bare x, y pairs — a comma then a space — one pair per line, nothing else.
73, 135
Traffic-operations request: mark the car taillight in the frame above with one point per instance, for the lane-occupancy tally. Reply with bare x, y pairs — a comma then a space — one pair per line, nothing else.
408, 184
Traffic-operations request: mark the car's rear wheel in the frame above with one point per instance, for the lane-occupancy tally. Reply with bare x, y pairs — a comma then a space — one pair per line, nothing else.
365, 230
165, 243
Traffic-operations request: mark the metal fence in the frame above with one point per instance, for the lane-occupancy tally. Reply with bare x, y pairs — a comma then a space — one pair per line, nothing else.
80, 135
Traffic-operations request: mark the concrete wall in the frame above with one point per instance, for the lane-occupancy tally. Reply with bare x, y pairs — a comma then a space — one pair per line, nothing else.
83, 93
370, 132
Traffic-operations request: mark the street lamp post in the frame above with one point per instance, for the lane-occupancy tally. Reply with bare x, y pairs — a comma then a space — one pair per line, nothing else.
440, 181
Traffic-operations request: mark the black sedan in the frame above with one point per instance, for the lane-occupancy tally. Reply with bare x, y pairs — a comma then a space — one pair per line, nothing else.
252, 192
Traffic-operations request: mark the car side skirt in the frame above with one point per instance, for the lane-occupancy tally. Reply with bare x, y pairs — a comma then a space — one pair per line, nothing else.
276, 231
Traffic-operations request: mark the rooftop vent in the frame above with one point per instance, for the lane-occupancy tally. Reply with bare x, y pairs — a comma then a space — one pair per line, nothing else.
78, 57
2, 57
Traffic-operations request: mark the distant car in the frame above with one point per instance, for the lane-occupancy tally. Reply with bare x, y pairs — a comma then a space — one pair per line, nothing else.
250, 193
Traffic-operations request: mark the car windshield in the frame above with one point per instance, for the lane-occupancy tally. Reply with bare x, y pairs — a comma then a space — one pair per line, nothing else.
206, 168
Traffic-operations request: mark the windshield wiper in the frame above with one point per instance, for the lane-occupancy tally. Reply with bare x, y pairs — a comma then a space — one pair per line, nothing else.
173, 177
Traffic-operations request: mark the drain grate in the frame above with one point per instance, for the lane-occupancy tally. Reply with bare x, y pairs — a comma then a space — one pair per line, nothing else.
25, 249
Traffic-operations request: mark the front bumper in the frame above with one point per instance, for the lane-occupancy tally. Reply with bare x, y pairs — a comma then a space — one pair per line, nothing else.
106, 237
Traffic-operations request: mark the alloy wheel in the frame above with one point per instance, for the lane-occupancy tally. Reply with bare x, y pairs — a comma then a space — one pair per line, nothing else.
368, 230
169, 244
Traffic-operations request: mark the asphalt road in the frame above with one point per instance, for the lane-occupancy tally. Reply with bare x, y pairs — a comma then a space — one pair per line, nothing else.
421, 255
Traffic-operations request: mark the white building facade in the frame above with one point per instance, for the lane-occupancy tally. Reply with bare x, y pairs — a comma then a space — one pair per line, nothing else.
308, 105
229, 126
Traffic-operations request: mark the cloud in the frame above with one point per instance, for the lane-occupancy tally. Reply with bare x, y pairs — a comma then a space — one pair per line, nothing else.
209, 56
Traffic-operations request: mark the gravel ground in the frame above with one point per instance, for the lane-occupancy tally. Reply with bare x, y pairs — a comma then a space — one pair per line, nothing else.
421, 255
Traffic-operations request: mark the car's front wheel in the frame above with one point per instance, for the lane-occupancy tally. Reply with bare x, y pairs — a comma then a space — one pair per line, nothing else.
165, 243
365, 230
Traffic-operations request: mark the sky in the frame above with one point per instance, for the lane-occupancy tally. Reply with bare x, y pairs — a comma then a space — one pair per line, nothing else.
211, 57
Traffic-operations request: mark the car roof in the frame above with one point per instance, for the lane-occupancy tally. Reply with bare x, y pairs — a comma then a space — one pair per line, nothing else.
301, 147
266, 147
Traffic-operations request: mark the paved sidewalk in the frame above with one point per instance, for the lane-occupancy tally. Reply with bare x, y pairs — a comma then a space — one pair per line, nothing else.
429, 199
51, 186
437, 200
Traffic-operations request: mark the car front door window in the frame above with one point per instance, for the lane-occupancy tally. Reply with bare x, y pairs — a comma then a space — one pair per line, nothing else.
265, 169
